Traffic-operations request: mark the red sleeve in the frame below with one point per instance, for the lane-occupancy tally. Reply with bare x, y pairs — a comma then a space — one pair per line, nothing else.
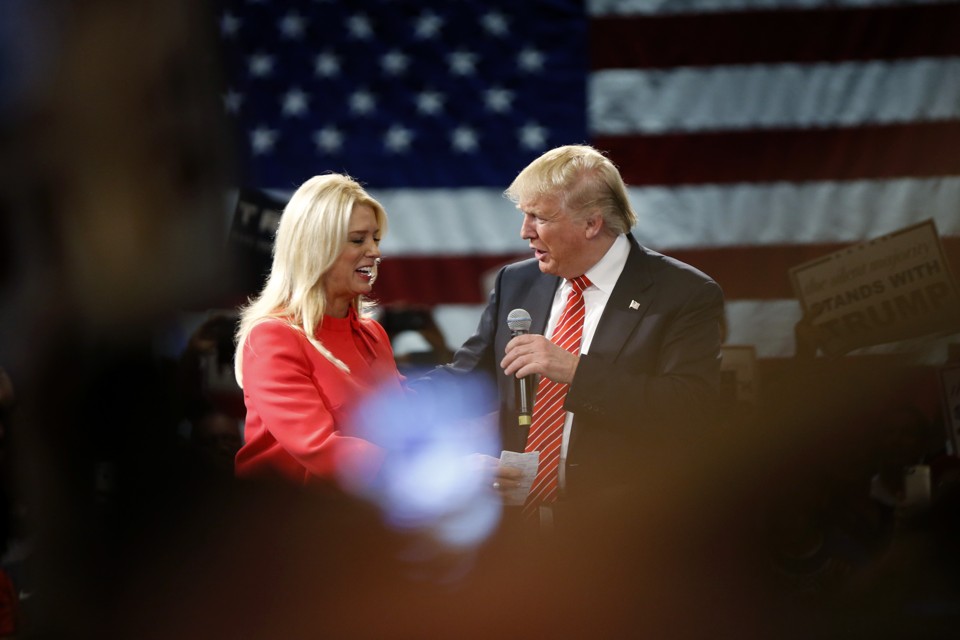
279, 382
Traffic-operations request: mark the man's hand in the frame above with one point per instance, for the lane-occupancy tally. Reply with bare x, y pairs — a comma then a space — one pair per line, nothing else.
532, 353
501, 478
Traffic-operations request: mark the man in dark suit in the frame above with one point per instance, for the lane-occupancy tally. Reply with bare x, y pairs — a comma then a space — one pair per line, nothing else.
648, 364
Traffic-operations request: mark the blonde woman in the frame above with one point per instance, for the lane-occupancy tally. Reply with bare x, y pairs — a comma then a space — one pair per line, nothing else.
306, 355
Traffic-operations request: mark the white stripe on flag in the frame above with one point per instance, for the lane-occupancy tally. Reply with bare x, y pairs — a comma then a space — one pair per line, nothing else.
665, 7
474, 221
427, 222
792, 213
624, 101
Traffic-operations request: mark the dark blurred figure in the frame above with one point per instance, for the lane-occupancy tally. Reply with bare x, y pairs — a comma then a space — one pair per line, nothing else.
403, 319
215, 437
842, 434
10, 609
111, 221
913, 589
205, 370
8, 400
903, 444
211, 409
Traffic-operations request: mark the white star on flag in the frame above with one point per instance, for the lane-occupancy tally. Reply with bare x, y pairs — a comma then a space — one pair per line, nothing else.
462, 63
430, 102
427, 26
362, 102
263, 139
328, 139
261, 65
229, 25
326, 65
398, 139
533, 136
530, 60
464, 140
498, 99
495, 23
232, 101
394, 62
295, 102
292, 26
359, 27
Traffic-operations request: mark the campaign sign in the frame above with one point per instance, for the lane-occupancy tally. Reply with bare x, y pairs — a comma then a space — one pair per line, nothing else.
894, 287
251, 238
255, 221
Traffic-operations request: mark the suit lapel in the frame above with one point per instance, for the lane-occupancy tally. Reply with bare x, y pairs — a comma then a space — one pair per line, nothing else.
539, 300
628, 303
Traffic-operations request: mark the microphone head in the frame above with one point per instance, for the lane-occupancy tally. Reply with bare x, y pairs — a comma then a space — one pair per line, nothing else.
519, 320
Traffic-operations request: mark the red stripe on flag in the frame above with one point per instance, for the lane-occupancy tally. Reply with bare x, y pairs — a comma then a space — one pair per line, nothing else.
762, 272
802, 36
755, 272
795, 155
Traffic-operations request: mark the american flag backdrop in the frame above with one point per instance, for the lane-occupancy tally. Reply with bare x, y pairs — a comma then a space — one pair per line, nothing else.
754, 134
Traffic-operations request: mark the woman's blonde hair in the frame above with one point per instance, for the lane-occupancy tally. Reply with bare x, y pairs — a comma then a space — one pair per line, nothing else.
310, 237
584, 179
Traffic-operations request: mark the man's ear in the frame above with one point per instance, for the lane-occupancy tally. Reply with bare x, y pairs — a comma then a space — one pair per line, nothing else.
594, 225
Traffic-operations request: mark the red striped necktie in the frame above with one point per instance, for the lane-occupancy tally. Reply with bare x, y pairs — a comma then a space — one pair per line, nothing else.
546, 430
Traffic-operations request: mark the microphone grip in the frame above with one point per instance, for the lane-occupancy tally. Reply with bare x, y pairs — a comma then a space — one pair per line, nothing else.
524, 402
524, 396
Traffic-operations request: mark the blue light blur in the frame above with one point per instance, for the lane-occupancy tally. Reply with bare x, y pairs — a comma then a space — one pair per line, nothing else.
432, 480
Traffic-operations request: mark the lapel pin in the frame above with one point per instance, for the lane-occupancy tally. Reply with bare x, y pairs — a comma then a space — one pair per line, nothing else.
634, 304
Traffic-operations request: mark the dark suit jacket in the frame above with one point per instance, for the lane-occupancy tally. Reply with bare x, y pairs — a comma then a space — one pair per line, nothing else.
652, 369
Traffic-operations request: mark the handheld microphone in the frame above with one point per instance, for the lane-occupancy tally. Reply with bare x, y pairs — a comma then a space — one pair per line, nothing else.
518, 321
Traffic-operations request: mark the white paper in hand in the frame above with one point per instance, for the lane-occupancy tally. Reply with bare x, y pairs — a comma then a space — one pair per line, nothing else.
528, 463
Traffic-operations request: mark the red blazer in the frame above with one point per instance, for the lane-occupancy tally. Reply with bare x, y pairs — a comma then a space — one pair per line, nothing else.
299, 403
